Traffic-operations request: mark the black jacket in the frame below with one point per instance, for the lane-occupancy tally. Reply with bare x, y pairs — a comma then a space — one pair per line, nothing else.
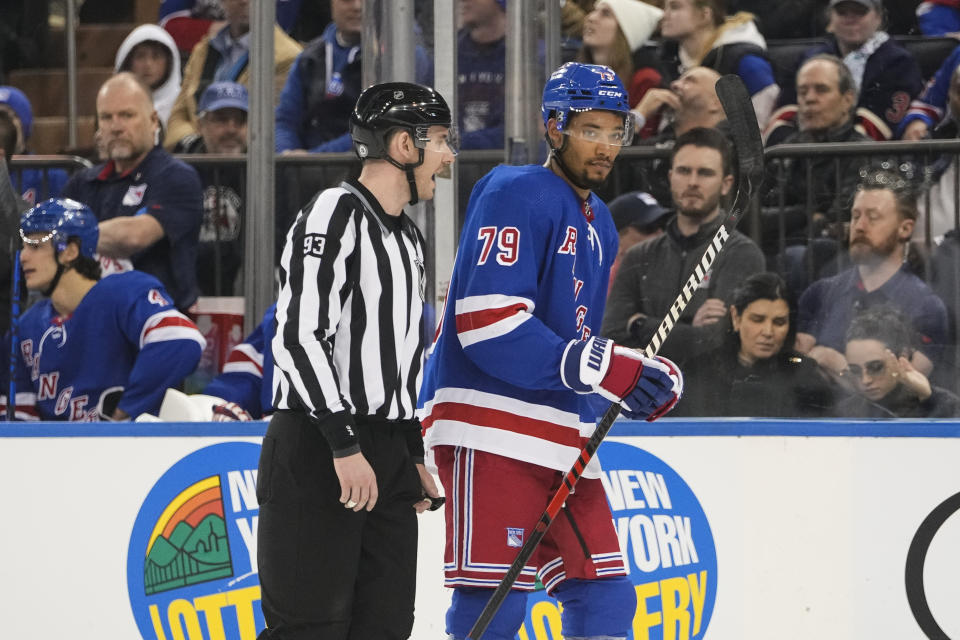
901, 403
787, 385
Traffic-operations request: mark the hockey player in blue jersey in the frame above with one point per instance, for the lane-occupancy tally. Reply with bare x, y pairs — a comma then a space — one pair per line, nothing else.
518, 377
246, 382
92, 349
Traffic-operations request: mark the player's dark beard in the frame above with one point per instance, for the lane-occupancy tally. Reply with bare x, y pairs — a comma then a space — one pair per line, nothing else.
581, 179
585, 182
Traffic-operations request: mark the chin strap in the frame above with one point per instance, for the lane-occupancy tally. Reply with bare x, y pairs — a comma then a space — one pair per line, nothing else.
555, 154
55, 281
408, 171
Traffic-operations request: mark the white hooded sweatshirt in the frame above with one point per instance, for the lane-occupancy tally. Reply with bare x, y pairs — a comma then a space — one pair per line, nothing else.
165, 95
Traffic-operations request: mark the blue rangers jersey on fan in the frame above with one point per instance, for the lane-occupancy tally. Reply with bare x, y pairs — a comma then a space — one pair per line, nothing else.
123, 346
530, 275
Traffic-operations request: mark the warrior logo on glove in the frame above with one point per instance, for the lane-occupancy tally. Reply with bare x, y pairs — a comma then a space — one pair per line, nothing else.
646, 388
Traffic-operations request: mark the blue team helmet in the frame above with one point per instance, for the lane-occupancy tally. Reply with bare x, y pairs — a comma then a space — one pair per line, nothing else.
62, 219
577, 86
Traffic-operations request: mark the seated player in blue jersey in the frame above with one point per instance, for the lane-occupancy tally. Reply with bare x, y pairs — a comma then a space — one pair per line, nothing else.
246, 382
92, 349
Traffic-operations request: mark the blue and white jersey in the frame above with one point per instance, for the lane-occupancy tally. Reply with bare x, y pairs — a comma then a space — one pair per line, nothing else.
247, 376
123, 346
530, 275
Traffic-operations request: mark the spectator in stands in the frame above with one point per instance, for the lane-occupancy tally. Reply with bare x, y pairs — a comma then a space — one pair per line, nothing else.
699, 32
222, 126
17, 105
755, 372
324, 83
939, 17
942, 174
882, 220
879, 346
786, 19
638, 217
824, 113
224, 56
930, 108
885, 75
150, 54
690, 102
148, 203
646, 284
613, 35
30, 182
92, 349
187, 21
481, 73
8, 137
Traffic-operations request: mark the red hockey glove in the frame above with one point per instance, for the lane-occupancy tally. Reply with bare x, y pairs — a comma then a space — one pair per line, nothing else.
646, 388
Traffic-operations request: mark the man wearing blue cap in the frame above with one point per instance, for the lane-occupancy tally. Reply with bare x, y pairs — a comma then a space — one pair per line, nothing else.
221, 121
15, 103
221, 129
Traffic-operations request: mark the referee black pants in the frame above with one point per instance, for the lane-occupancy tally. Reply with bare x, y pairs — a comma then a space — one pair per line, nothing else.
327, 572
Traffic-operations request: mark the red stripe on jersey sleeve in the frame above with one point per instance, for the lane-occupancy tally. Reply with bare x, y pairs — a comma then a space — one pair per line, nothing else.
172, 321
486, 317
238, 356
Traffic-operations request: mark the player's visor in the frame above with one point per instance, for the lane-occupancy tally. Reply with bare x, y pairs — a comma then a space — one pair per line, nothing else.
619, 137
437, 138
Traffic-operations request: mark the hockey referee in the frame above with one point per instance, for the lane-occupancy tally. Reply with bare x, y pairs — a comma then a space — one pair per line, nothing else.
341, 474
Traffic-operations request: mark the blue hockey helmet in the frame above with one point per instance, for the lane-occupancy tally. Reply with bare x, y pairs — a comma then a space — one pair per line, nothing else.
62, 219
577, 86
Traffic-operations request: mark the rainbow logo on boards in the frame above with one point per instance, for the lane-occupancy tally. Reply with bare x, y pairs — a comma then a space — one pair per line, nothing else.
192, 558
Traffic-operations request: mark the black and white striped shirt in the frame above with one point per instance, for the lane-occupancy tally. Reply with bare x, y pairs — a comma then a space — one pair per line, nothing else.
350, 314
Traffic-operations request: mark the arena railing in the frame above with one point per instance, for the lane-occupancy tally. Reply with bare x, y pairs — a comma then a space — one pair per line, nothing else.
20, 164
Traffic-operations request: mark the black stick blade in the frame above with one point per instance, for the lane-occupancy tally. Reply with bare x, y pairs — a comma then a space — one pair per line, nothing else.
745, 132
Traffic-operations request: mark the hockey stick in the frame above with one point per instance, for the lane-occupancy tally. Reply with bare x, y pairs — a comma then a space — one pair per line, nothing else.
746, 136
10, 209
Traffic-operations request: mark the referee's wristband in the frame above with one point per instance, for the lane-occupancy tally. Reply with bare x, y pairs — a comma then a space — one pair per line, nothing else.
340, 433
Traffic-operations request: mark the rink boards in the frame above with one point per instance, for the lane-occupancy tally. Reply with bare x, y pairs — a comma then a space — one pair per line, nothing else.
734, 529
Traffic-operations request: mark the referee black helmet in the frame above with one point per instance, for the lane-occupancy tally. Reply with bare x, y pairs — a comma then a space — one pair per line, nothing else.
382, 108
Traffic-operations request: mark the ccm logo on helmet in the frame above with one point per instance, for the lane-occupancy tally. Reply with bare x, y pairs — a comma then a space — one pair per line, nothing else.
608, 92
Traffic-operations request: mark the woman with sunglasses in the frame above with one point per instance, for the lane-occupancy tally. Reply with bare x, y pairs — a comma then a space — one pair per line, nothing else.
878, 367
754, 373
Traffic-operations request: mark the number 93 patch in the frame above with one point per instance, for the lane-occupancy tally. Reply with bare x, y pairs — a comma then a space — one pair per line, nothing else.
313, 244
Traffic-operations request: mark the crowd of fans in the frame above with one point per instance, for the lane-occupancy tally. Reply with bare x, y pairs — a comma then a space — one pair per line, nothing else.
863, 245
